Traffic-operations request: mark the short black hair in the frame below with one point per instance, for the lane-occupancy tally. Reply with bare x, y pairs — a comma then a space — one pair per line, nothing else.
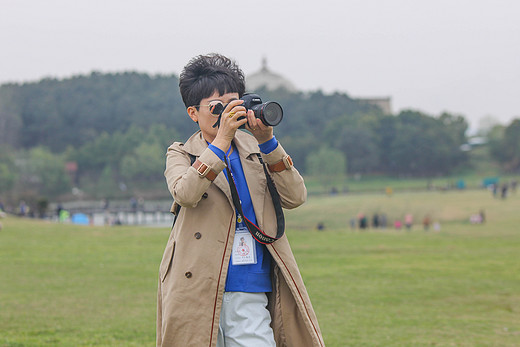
205, 74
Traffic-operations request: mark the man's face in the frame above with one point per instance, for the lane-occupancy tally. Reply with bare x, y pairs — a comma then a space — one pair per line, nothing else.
204, 116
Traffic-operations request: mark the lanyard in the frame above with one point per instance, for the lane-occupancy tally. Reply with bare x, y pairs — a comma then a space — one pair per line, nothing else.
255, 231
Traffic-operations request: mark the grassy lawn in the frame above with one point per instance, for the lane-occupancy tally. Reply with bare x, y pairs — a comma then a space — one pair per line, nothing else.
65, 285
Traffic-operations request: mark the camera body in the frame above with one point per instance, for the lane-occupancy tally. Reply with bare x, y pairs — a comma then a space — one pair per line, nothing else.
270, 113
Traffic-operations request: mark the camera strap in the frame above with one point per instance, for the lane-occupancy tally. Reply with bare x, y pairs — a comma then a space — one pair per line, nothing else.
255, 231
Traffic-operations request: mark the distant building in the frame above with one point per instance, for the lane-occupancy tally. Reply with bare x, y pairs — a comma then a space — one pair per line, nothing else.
384, 103
265, 78
475, 141
268, 79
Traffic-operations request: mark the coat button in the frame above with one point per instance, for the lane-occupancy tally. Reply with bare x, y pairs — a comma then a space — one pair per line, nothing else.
188, 274
197, 235
205, 195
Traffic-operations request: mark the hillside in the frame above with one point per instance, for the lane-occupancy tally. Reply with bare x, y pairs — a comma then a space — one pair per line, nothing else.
111, 131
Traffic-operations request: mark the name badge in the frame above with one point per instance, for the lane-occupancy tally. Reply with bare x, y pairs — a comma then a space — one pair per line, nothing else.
244, 250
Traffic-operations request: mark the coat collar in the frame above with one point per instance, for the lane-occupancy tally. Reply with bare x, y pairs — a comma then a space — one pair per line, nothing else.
253, 170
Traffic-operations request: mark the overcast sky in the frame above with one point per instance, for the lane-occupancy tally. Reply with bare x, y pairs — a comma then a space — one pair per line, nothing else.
461, 56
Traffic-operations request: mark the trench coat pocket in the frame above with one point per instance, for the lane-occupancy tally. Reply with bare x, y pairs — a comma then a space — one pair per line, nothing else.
166, 262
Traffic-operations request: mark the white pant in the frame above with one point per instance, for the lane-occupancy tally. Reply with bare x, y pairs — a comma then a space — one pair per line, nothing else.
245, 321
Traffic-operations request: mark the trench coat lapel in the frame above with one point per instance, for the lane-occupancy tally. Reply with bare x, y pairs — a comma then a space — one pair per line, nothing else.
222, 183
253, 172
195, 145
256, 183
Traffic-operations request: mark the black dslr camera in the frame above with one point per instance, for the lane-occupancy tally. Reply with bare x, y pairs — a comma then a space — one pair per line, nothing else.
270, 113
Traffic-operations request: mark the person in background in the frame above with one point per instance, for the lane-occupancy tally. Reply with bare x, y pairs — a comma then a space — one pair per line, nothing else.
375, 221
59, 208
426, 222
408, 221
352, 223
383, 220
2, 213
503, 190
23, 209
363, 221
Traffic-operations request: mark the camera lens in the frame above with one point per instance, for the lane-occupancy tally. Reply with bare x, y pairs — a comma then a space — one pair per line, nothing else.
271, 113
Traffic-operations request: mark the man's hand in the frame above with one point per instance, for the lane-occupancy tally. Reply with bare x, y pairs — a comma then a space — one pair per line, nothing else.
260, 131
229, 124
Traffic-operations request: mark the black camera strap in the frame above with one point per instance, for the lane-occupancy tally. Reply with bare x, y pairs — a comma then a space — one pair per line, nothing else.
255, 231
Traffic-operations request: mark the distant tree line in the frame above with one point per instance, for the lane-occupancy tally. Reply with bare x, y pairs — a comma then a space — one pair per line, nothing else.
116, 127
504, 145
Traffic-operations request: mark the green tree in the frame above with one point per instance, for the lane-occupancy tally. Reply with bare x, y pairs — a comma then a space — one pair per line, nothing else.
10, 120
421, 145
299, 147
360, 147
161, 135
108, 149
147, 163
45, 172
504, 145
8, 171
107, 186
101, 119
327, 164
495, 139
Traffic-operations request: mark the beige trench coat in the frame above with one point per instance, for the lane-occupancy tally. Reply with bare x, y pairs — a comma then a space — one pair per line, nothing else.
194, 266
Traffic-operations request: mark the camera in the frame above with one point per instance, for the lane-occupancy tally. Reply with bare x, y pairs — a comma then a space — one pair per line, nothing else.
270, 113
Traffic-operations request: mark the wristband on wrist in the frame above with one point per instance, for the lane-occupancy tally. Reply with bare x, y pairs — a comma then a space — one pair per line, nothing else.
204, 170
285, 164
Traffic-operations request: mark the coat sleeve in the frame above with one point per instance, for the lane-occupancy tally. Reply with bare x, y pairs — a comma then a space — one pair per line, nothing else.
184, 182
289, 183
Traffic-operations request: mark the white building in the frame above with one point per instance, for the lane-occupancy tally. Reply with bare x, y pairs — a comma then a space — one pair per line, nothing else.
268, 79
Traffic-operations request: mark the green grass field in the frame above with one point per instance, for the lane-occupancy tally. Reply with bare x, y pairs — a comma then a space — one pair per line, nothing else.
65, 285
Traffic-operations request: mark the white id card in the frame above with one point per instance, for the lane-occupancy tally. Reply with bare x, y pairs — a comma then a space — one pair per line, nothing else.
244, 250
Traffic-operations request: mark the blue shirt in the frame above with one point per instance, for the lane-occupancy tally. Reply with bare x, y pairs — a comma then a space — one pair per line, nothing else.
251, 278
